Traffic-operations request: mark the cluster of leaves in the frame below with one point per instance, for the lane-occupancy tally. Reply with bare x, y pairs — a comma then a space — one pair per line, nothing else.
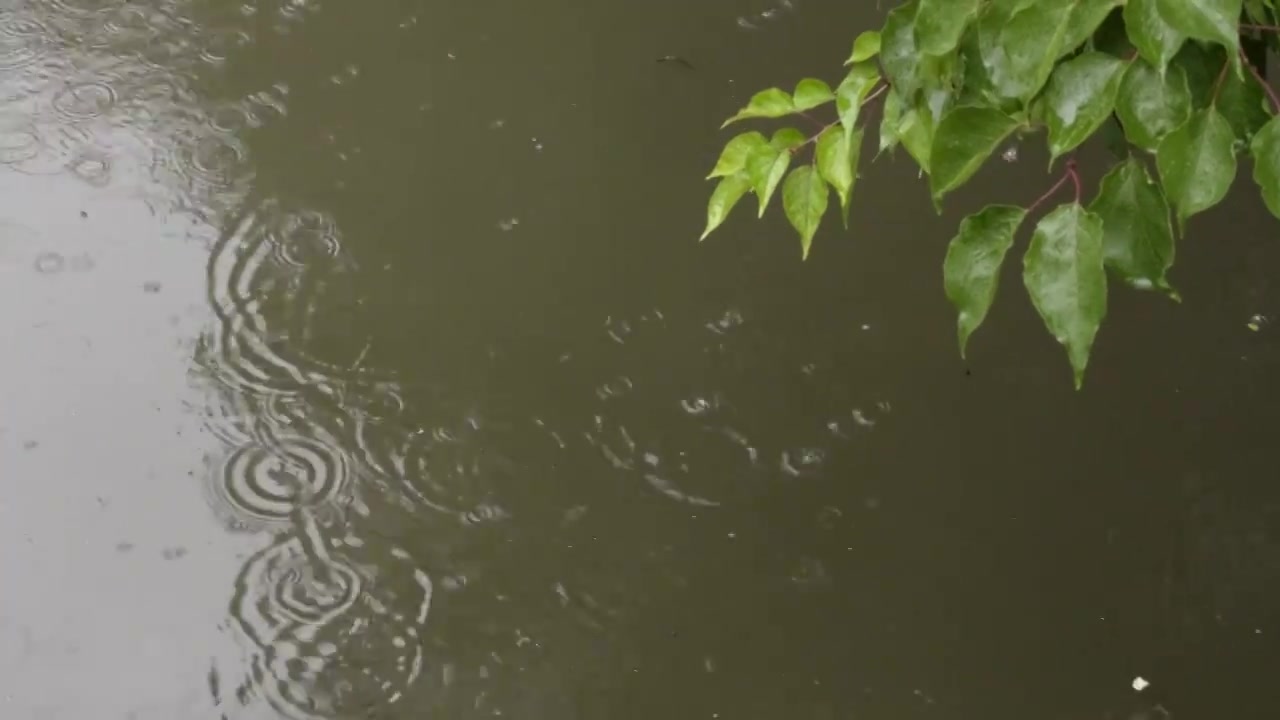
1178, 84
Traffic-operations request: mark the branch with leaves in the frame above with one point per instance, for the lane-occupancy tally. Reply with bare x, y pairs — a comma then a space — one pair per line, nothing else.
1181, 82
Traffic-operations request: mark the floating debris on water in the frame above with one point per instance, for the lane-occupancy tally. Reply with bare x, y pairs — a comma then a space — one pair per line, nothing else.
1257, 321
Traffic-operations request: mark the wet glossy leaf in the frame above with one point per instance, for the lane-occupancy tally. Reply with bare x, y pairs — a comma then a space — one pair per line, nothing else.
810, 93
1080, 96
971, 271
1137, 237
916, 131
1242, 102
1085, 19
940, 24
965, 138
891, 117
851, 92
838, 163
766, 169
1064, 275
1197, 163
804, 199
1266, 164
865, 47
735, 154
1209, 20
769, 103
1022, 58
727, 194
898, 53
1150, 105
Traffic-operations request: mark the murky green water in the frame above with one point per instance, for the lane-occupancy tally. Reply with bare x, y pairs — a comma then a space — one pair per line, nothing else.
359, 362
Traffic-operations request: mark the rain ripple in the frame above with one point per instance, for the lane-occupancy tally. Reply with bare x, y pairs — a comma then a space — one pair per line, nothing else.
258, 486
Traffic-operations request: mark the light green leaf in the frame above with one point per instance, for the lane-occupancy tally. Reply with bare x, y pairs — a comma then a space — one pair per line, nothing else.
940, 23
727, 194
1151, 106
1020, 61
898, 53
1157, 41
916, 130
865, 47
965, 138
852, 92
1137, 237
766, 169
1086, 18
971, 271
735, 154
769, 103
1063, 274
1197, 163
890, 118
804, 199
1266, 164
810, 93
1210, 20
838, 163
1080, 97
787, 139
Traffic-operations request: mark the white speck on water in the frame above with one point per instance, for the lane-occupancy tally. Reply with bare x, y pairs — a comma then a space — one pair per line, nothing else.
451, 56
497, 124
508, 225
1257, 321
1140, 683
866, 327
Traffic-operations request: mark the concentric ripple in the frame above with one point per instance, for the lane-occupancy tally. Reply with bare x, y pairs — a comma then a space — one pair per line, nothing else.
258, 485
85, 100
23, 40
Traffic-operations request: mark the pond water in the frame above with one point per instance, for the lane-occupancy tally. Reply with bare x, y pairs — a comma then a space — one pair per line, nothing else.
359, 361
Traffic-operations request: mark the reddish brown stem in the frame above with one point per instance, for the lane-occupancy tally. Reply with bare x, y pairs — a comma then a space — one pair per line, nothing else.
1069, 174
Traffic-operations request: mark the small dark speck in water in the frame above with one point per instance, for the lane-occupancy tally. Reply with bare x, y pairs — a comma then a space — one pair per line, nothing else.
174, 553
31, 445
151, 287
84, 215
677, 60
124, 547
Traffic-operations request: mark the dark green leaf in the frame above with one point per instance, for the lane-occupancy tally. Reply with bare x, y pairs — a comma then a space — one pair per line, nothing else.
1202, 66
1157, 41
804, 199
1151, 105
735, 154
810, 93
971, 271
1028, 44
851, 92
1063, 273
965, 138
898, 53
726, 195
1085, 20
1197, 163
769, 103
1080, 96
940, 23
1137, 236
1242, 102
1266, 164
865, 47
1210, 20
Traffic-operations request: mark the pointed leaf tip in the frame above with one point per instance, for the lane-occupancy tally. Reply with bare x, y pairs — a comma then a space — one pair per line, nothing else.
971, 270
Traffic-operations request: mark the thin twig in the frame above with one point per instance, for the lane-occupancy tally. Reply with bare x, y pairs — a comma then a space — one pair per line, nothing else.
1075, 177
1271, 93
1217, 84
825, 128
1070, 174
1263, 28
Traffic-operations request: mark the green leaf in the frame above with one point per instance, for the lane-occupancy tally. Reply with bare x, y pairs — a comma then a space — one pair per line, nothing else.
940, 24
1080, 97
1029, 43
810, 93
865, 47
916, 131
890, 118
1151, 105
1137, 238
898, 53
838, 163
1063, 274
1266, 164
735, 154
804, 199
1197, 163
1210, 20
766, 169
971, 271
1086, 18
787, 139
727, 194
852, 92
965, 138
1157, 41
769, 103
1242, 102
